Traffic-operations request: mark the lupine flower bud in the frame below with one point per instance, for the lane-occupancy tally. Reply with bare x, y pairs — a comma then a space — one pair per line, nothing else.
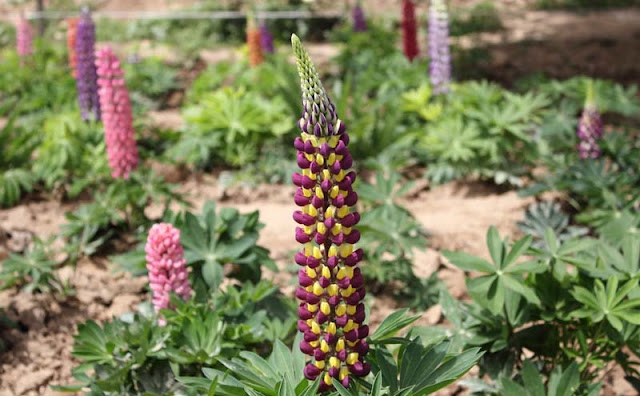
409, 29
254, 44
331, 286
359, 20
24, 39
72, 30
117, 119
439, 55
589, 129
86, 79
266, 39
167, 267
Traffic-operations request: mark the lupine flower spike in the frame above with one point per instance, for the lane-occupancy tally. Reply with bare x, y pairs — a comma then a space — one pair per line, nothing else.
409, 29
590, 128
359, 20
439, 55
117, 119
266, 39
331, 287
86, 79
167, 267
254, 44
24, 39
72, 30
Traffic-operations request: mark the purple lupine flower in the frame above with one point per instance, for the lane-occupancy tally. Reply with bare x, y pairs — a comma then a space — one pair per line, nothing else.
168, 272
439, 55
589, 131
86, 80
359, 20
266, 39
331, 287
24, 39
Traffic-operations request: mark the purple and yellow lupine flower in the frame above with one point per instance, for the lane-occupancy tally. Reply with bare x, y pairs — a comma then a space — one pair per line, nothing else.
331, 287
439, 54
590, 128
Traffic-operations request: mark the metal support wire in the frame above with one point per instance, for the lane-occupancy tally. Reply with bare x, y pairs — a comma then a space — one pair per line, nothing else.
177, 15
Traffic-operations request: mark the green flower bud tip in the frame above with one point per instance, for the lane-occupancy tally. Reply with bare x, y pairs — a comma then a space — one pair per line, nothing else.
319, 116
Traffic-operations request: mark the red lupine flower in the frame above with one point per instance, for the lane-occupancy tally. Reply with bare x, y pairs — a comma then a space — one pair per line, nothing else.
409, 29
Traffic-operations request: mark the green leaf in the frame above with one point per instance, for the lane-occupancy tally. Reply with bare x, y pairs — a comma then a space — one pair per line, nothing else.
468, 262
392, 324
517, 286
212, 274
496, 248
532, 380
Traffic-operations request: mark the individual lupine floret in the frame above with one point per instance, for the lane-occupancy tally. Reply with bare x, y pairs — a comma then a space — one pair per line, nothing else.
86, 79
266, 39
359, 20
72, 30
590, 128
167, 267
331, 287
254, 44
24, 39
409, 29
439, 53
117, 118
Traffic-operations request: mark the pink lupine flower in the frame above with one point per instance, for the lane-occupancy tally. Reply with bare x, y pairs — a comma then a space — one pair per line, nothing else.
167, 267
24, 38
116, 114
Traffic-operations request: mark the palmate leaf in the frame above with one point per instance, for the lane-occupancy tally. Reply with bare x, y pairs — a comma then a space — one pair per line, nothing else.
561, 383
626, 260
504, 272
213, 239
426, 370
13, 183
608, 302
279, 374
453, 140
549, 214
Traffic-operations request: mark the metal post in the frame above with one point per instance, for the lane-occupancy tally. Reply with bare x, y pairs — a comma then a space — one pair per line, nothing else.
41, 21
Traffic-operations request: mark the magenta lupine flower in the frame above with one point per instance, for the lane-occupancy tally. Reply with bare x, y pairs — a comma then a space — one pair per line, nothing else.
590, 130
24, 39
167, 267
86, 78
266, 39
117, 119
331, 287
359, 20
439, 55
